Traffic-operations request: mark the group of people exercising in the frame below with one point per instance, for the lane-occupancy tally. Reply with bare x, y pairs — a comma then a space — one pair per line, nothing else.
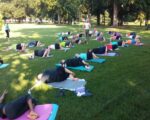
16, 108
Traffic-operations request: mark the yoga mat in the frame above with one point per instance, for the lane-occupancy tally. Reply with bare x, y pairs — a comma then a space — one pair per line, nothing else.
81, 68
3, 66
97, 60
114, 43
69, 84
108, 54
54, 112
46, 112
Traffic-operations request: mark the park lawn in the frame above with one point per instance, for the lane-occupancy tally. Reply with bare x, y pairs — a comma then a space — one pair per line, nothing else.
120, 86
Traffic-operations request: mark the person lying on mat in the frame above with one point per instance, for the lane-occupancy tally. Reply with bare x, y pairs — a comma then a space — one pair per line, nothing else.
91, 55
100, 37
56, 46
77, 40
115, 36
58, 74
100, 50
131, 35
111, 47
1, 61
21, 47
66, 44
18, 107
119, 43
41, 53
75, 62
34, 44
133, 42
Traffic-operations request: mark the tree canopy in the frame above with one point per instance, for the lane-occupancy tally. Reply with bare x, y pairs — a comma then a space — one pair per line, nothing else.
65, 11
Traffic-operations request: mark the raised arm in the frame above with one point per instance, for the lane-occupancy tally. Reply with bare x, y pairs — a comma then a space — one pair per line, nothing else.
69, 71
85, 63
3, 96
94, 56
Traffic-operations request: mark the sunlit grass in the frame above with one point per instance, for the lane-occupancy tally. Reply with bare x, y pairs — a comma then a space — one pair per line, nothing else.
120, 86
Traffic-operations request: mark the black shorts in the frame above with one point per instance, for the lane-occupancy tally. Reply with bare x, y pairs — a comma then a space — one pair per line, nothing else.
77, 41
19, 47
114, 47
57, 46
39, 53
119, 43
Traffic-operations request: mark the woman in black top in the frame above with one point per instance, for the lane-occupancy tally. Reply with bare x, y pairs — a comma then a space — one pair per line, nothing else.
75, 62
56, 75
91, 55
100, 50
16, 108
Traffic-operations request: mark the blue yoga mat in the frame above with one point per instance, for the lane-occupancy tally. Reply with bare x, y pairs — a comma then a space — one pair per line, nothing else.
3, 66
81, 68
114, 43
97, 60
108, 54
54, 112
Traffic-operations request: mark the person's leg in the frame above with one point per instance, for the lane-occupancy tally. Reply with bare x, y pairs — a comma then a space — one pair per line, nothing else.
87, 35
45, 53
72, 77
7, 33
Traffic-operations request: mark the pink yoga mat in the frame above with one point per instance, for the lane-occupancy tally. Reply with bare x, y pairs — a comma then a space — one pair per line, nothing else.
44, 112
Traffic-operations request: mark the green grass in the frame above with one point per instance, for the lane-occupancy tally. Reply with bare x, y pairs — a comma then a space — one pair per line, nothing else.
120, 86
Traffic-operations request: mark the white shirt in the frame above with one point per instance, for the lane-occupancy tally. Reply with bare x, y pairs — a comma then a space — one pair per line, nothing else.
87, 26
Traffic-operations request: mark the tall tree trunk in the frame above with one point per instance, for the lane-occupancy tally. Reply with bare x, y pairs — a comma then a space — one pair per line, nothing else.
104, 19
59, 20
115, 13
147, 18
98, 18
140, 23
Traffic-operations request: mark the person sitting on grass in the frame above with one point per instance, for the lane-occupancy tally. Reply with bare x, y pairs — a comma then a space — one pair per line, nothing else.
21, 47
41, 53
100, 50
35, 44
75, 62
1, 61
18, 107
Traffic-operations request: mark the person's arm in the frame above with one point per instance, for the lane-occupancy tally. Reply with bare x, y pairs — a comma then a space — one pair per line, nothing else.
94, 56
85, 63
3, 96
69, 71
